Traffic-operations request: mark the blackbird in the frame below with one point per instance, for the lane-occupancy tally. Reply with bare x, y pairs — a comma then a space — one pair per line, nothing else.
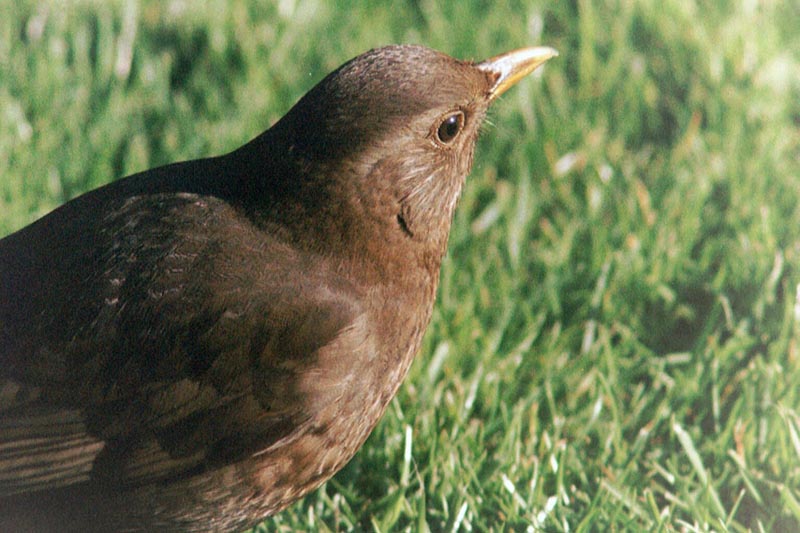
195, 347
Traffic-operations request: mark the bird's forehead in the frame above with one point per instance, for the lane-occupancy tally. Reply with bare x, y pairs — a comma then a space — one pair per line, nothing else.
406, 80
378, 92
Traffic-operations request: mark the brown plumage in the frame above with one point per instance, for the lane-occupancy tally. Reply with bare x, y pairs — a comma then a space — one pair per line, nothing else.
194, 347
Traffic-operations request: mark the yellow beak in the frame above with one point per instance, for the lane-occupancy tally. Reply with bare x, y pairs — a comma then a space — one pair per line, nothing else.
513, 66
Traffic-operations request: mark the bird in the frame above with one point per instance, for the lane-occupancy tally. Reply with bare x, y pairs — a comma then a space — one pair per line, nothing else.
197, 346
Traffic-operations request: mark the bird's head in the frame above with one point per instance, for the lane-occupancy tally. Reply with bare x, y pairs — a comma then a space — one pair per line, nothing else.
391, 134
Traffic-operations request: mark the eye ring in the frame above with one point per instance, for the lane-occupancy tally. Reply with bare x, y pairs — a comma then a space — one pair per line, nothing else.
449, 128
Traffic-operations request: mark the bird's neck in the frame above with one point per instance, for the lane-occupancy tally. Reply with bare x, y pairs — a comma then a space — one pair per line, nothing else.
322, 207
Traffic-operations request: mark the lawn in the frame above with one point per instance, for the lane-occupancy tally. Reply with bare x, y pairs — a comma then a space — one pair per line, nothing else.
616, 341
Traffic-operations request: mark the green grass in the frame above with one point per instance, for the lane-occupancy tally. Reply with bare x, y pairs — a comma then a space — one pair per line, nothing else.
616, 343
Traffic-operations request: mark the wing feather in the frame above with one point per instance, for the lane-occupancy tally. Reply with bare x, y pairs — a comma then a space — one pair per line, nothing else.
172, 348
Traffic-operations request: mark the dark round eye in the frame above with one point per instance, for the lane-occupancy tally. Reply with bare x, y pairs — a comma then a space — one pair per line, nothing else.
450, 127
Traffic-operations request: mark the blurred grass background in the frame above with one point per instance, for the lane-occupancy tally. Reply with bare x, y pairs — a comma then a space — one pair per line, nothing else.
615, 344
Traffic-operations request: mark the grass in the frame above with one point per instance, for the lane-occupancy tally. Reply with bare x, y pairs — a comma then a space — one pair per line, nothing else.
616, 343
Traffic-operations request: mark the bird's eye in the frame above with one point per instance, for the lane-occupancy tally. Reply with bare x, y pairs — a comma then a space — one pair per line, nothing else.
450, 127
